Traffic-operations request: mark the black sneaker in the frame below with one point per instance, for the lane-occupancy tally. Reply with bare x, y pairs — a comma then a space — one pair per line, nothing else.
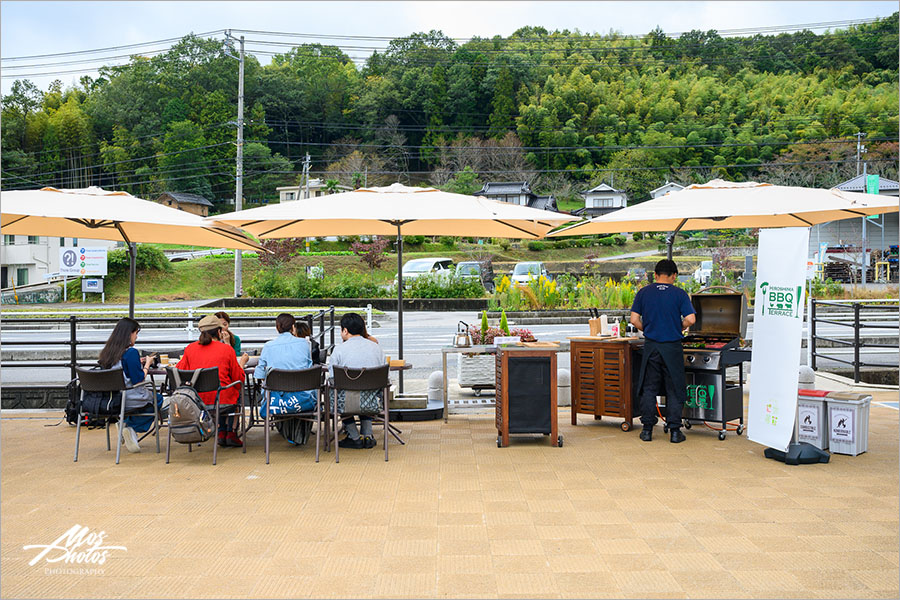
369, 441
676, 437
349, 442
646, 435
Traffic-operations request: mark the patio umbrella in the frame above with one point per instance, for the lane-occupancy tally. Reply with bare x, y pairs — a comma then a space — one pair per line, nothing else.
109, 215
396, 210
720, 204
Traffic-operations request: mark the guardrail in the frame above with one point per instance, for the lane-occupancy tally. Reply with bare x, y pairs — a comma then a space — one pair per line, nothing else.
323, 318
856, 315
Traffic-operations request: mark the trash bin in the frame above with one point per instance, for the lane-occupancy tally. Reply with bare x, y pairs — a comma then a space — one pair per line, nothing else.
848, 422
813, 419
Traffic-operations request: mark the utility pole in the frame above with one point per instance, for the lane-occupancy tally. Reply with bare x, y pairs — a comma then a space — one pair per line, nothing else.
860, 149
306, 176
239, 168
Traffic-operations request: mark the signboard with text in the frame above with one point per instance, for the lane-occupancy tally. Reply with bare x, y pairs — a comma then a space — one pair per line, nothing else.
82, 261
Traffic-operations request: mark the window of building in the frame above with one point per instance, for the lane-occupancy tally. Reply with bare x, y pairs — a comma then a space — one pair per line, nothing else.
289, 196
9, 240
74, 241
22, 276
33, 239
62, 242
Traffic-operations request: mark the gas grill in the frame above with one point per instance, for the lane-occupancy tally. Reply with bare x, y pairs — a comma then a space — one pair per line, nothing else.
715, 343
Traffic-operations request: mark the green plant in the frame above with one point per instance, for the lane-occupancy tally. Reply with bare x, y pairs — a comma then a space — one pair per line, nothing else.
268, 284
484, 321
535, 246
442, 286
560, 244
637, 236
448, 242
504, 325
504, 244
413, 240
148, 258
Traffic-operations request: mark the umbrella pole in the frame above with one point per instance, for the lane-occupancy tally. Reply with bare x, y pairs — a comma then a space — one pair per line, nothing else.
670, 240
400, 304
132, 252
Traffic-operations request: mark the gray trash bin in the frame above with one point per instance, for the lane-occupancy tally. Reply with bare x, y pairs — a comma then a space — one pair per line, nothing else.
848, 422
813, 418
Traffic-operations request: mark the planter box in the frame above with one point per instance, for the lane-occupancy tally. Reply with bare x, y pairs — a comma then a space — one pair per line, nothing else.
476, 370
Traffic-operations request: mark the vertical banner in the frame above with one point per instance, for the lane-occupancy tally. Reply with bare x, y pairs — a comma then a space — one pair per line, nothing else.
777, 332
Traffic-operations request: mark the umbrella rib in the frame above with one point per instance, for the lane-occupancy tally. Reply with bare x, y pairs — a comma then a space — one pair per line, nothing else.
229, 234
23, 217
122, 231
855, 212
801, 220
510, 225
279, 227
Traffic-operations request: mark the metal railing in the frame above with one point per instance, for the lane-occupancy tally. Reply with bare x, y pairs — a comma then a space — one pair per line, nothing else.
323, 318
856, 315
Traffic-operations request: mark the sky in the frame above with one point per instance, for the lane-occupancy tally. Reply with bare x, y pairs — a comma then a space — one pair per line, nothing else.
39, 28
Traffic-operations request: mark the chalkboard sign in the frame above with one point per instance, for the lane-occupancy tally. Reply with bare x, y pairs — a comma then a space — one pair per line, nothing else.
526, 394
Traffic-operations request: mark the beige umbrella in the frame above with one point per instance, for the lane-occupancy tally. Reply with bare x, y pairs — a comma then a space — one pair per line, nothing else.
396, 210
720, 204
109, 215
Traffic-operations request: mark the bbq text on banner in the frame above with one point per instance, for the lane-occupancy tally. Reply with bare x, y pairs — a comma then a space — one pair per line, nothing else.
777, 333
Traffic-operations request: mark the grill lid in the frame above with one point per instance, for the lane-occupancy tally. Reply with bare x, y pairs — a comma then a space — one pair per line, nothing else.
720, 315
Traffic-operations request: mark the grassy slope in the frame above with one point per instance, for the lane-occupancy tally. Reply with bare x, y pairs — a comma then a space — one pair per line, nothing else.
213, 277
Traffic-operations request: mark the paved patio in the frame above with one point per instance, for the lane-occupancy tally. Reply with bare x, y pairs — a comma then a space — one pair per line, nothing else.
452, 515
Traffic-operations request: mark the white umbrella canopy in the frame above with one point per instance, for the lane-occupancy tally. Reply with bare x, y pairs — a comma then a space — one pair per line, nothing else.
720, 204
381, 210
110, 215
396, 210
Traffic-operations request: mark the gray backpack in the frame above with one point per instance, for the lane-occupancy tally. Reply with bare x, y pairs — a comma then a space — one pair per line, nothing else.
189, 421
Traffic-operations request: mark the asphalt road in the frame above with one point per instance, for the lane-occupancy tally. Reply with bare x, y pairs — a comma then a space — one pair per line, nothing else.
424, 334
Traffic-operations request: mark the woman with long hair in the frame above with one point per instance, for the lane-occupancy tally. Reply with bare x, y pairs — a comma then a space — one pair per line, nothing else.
302, 330
229, 337
209, 351
120, 351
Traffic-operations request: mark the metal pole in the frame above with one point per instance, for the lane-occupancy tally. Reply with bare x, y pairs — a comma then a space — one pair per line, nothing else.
73, 356
856, 307
400, 303
132, 252
239, 178
865, 263
812, 334
670, 240
809, 348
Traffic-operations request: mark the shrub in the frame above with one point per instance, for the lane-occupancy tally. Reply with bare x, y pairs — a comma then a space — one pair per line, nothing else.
149, 258
448, 242
268, 284
535, 246
372, 254
413, 240
637, 236
607, 241
349, 284
619, 239
443, 286
504, 244
560, 244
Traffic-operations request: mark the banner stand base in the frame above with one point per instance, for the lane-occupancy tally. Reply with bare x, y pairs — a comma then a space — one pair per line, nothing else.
799, 454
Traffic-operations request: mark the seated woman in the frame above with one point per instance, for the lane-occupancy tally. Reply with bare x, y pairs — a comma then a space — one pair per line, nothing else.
290, 353
229, 337
209, 351
302, 330
119, 351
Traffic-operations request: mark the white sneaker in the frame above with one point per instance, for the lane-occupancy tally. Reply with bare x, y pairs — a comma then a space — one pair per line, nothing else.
129, 436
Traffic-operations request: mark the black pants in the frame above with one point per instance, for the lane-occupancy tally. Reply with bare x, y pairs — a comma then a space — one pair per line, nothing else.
659, 381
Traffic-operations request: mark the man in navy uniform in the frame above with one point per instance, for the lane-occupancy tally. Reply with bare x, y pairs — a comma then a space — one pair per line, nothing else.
662, 311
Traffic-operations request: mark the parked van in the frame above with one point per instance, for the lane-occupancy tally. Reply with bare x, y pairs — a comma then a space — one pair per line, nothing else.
483, 272
425, 266
523, 271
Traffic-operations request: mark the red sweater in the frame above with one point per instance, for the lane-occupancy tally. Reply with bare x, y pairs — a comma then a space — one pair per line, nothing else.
215, 354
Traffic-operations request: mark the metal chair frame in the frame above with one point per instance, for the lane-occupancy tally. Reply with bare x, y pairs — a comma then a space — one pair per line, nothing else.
208, 381
346, 378
299, 380
112, 380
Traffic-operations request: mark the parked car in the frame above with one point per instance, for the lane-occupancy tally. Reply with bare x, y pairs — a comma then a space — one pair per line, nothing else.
703, 272
483, 272
523, 271
425, 266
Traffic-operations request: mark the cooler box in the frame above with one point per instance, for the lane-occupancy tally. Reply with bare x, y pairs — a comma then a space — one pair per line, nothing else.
848, 422
813, 418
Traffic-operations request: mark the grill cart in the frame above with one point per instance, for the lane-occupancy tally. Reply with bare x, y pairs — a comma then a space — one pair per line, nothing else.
715, 343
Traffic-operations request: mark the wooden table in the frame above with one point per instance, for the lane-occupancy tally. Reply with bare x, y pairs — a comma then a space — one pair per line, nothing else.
603, 378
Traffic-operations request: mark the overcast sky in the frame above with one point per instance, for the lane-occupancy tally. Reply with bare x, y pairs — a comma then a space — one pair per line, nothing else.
38, 28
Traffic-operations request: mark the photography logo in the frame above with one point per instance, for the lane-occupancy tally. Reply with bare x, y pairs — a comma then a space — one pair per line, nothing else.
780, 301
77, 547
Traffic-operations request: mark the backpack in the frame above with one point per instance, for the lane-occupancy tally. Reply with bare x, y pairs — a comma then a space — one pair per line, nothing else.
189, 421
73, 407
102, 403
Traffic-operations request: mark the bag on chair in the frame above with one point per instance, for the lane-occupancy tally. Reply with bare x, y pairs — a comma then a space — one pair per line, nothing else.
189, 421
296, 431
360, 402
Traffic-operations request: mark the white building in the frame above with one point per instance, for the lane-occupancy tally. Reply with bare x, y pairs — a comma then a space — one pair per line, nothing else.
26, 259
600, 200
668, 186
298, 192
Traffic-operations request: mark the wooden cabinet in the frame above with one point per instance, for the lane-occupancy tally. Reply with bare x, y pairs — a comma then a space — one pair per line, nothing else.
526, 400
604, 374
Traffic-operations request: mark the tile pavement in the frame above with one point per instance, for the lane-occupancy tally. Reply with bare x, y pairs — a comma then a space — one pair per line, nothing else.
453, 516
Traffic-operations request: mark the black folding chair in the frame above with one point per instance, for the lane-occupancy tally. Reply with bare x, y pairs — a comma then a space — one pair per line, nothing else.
207, 381
111, 381
374, 378
300, 380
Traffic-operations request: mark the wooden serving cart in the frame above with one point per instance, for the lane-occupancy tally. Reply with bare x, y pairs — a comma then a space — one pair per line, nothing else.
526, 399
605, 371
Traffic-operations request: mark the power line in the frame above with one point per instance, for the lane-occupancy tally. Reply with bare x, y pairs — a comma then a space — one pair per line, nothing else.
110, 48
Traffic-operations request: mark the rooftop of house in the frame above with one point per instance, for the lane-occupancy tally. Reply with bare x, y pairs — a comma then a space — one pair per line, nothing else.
601, 189
185, 198
500, 188
858, 184
668, 184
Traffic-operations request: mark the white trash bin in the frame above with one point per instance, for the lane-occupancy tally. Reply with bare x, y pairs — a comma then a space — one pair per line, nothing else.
848, 422
813, 417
